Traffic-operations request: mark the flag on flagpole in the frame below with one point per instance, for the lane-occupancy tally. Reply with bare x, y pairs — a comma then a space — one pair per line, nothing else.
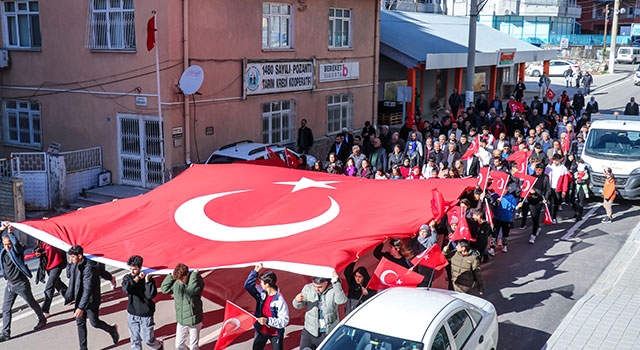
473, 149
547, 220
462, 231
527, 184
500, 181
550, 95
236, 322
483, 178
438, 205
432, 258
521, 158
488, 213
271, 153
292, 161
151, 33
389, 274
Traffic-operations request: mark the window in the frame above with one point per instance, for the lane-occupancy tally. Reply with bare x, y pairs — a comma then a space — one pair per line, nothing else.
111, 25
339, 28
441, 341
21, 123
339, 112
22, 24
277, 121
276, 26
461, 327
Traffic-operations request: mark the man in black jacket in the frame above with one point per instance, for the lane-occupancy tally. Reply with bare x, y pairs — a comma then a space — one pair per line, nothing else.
632, 107
539, 196
141, 290
305, 137
84, 289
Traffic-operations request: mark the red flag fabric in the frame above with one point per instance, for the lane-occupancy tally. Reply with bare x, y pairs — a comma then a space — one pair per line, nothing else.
500, 182
454, 212
527, 184
483, 178
439, 206
473, 148
268, 162
462, 231
389, 274
236, 322
550, 95
547, 220
260, 211
271, 153
515, 106
292, 161
151, 33
432, 258
522, 159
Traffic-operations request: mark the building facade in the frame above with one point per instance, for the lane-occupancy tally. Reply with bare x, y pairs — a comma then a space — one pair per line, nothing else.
80, 74
593, 17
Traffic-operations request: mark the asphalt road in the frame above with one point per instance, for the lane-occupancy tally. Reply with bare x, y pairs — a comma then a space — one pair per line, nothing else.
532, 286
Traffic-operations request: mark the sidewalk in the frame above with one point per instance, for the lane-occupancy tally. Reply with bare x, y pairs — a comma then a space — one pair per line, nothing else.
558, 84
608, 316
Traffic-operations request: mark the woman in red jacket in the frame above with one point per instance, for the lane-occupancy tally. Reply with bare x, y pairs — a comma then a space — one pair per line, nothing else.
609, 194
56, 261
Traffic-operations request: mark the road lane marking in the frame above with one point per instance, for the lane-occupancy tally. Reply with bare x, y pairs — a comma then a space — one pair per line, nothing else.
577, 225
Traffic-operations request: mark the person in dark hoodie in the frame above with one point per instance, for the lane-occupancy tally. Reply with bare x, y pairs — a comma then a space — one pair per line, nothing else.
84, 289
357, 281
141, 289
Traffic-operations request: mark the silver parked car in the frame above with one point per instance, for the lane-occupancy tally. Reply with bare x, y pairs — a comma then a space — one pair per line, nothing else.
249, 150
417, 318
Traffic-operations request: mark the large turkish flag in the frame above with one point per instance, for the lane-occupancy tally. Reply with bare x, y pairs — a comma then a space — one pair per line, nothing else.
233, 215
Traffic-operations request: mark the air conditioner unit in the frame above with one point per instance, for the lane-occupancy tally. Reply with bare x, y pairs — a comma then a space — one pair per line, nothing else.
4, 58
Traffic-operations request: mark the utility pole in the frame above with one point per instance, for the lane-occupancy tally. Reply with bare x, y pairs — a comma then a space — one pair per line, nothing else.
471, 52
614, 33
606, 23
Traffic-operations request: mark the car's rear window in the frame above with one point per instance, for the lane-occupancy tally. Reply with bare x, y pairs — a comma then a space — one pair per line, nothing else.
346, 337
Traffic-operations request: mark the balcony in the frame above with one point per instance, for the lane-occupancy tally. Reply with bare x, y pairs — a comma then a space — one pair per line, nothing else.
554, 8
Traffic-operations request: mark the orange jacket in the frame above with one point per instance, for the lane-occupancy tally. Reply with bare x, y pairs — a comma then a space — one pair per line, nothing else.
609, 190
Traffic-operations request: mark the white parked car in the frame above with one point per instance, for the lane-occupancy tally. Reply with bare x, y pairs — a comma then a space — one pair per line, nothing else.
417, 318
249, 150
556, 68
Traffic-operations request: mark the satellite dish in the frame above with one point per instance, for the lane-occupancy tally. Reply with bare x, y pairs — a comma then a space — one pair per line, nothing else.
191, 80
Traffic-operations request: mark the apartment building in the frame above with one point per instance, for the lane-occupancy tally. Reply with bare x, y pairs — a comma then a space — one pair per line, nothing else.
79, 74
593, 16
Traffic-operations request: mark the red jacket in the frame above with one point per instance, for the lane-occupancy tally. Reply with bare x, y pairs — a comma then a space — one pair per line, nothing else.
55, 256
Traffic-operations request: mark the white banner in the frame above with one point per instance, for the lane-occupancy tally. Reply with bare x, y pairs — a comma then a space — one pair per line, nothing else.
339, 71
274, 77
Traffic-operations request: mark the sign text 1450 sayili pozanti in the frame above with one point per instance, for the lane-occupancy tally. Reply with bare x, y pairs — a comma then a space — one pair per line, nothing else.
286, 69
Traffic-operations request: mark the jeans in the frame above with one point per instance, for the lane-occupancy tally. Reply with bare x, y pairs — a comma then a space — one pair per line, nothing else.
53, 283
81, 324
308, 341
141, 328
11, 291
194, 336
260, 340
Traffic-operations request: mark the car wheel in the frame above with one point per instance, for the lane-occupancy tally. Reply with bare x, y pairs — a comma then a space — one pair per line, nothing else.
535, 73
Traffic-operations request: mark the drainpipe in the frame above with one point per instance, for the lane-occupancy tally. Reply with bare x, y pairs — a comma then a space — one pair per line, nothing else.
185, 65
376, 65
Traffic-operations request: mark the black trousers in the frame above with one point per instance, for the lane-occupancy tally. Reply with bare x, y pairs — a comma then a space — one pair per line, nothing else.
81, 323
53, 283
556, 199
308, 341
260, 340
536, 211
525, 213
506, 228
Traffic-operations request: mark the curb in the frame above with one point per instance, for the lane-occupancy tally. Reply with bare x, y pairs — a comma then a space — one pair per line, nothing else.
603, 285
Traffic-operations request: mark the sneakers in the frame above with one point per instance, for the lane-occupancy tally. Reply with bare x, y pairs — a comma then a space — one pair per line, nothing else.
40, 325
606, 220
161, 344
115, 336
532, 239
491, 252
554, 221
504, 249
522, 227
4, 338
46, 314
113, 282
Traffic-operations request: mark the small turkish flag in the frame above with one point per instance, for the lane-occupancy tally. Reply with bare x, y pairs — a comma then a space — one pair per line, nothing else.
500, 182
438, 205
515, 106
151, 33
292, 161
550, 95
236, 322
389, 274
432, 258
527, 184
547, 220
522, 159
473, 148
271, 153
462, 231
454, 212
483, 178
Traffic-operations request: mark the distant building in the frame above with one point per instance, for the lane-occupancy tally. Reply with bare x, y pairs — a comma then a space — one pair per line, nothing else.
593, 17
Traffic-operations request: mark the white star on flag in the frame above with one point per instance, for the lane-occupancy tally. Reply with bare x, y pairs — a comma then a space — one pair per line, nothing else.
305, 183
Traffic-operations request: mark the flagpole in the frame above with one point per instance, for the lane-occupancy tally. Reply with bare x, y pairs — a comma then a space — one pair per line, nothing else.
433, 271
161, 120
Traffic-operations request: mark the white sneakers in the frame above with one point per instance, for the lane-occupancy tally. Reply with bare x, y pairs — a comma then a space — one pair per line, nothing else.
504, 249
532, 239
491, 252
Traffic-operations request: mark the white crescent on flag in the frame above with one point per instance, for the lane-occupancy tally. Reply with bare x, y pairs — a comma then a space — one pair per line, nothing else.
384, 274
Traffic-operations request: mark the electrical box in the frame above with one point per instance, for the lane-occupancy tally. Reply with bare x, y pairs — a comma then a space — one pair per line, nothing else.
4, 58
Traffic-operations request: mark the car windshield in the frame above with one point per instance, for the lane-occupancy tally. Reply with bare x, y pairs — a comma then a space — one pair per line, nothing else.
346, 337
613, 144
219, 159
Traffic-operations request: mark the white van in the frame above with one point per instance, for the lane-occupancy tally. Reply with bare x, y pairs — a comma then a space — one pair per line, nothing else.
628, 54
614, 142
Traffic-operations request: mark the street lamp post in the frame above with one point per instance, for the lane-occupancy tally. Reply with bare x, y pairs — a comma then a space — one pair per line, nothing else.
614, 33
471, 52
